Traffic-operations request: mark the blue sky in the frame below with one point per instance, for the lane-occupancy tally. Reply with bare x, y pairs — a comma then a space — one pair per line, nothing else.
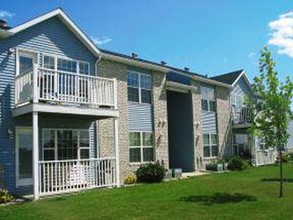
208, 36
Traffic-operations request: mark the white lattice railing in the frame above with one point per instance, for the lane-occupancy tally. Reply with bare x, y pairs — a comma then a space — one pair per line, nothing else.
264, 157
244, 115
57, 177
49, 85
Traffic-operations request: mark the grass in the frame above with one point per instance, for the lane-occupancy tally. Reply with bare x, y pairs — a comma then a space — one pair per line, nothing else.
249, 194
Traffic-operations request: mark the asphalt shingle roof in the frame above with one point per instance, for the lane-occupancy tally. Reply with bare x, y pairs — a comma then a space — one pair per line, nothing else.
228, 78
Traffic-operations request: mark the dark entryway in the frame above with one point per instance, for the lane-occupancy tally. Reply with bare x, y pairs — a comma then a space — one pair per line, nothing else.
180, 131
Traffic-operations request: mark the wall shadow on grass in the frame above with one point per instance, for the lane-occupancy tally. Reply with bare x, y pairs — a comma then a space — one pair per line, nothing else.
286, 180
219, 198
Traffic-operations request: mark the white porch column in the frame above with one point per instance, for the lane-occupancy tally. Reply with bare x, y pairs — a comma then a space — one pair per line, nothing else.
36, 155
117, 151
35, 84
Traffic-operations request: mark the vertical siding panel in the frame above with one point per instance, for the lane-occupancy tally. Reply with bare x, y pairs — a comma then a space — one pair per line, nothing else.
140, 117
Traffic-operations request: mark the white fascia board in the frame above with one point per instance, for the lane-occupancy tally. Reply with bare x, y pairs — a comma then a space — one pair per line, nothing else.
71, 110
66, 20
241, 74
245, 78
134, 62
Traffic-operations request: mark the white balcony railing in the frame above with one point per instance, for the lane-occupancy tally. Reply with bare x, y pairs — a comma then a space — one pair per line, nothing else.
63, 176
49, 85
242, 116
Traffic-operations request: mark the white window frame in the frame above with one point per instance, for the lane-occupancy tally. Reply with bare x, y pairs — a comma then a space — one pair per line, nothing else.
56, 57
142, 147
139, 86
19, 51
56, 142
208, 100
27, 181
211, 145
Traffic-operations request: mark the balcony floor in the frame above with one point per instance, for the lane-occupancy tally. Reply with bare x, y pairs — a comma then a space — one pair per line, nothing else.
64, 109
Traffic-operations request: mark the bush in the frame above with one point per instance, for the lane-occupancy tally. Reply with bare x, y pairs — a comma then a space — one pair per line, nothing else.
5, 196
150, 172
130, 179
286, 158
237, 163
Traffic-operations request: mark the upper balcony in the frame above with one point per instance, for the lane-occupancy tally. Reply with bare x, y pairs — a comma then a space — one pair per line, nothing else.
242, 118
51, 91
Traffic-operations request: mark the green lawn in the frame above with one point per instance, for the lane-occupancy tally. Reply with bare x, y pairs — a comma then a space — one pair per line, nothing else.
250, 194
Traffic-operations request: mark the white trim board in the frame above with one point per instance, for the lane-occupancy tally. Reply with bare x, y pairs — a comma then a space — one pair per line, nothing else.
57, 109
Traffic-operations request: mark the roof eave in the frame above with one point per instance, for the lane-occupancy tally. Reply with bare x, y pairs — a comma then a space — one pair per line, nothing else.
134, 62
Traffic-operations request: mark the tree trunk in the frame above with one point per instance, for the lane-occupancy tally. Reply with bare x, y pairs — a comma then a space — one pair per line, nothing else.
281, 173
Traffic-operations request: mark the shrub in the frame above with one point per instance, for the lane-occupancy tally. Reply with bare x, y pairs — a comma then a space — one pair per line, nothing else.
130, 179
236, 163
150, 172
5, 196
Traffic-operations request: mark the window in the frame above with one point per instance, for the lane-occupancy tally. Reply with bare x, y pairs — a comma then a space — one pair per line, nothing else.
208, 100
139, 87
141, 147
73, 66
84, 68
65, 144
67, 65
237, 101
262, 144
210, 145
49, 62
25, 64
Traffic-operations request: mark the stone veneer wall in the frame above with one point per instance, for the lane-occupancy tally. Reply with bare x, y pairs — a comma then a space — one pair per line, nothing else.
105, 127
223, 120
197, 131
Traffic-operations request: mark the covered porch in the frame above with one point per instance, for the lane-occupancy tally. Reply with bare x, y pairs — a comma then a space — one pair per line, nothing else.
59, 153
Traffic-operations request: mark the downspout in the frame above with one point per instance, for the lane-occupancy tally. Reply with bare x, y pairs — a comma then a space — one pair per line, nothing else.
96, 64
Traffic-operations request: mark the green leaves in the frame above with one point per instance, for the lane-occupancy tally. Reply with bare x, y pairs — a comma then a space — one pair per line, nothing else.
272, 107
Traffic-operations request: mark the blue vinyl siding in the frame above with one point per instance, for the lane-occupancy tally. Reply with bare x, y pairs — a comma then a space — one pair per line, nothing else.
241, 89
140, 117
209, 122
49, 37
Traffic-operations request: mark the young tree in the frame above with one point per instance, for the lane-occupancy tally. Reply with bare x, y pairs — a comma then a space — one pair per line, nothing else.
272, 107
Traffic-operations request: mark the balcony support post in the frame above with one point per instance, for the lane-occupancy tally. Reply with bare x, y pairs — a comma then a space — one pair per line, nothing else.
117, 152
36, 155
35, 84
115, 94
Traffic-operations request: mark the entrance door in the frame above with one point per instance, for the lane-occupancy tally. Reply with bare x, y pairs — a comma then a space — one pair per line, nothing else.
24, 156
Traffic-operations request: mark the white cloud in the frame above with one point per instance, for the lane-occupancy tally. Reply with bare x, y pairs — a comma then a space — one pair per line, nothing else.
282, 33
6, 14
101, 40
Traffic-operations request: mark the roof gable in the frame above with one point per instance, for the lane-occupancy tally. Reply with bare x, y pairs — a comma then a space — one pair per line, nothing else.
68, 23
229, 78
